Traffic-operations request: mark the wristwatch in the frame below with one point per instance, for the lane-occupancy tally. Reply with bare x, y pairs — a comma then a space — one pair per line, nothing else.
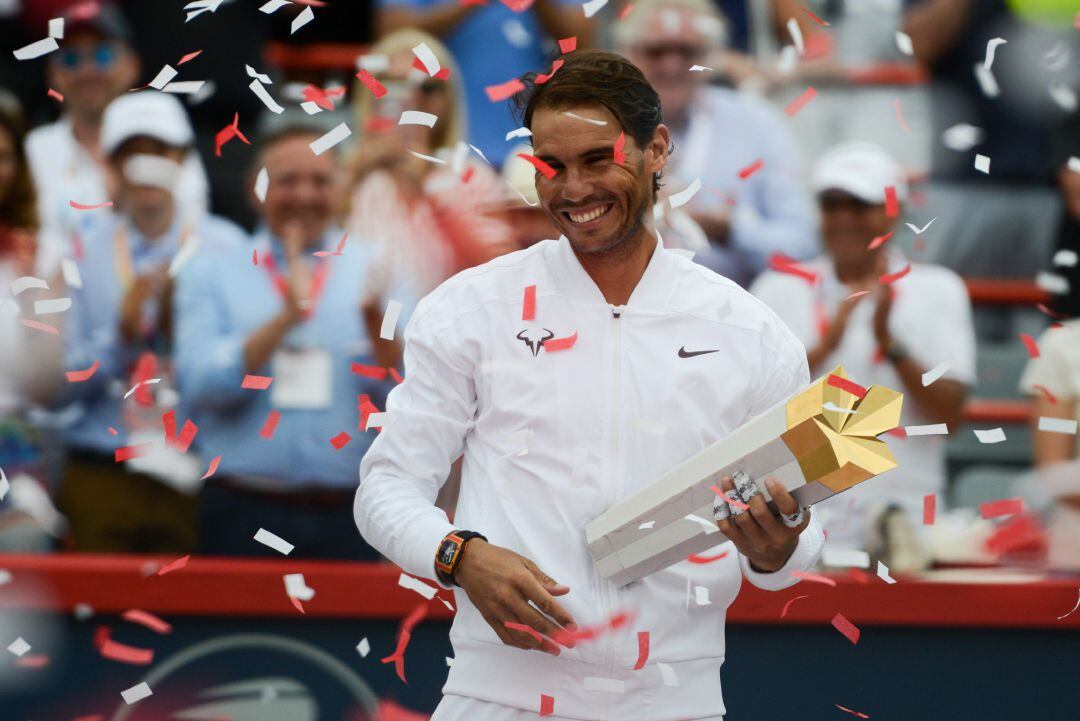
451, 551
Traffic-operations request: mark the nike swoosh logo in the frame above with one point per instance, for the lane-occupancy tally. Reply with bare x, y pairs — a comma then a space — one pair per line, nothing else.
683, 353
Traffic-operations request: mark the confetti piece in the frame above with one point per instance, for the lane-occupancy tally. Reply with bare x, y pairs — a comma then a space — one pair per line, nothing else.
416, 117
91, 206
644, 526
84, 375
503, 91
814, 577
568, 45
982, 164
734, 502
541, 79
274, 541
694, 558
990, 435
270, 425
845, 384
390, 319
376, 420
262, 184
558, 344
903, 42
27, 282
936, 372
800, 102
1058, 425
306, 15
377, 89
987, 82
519, 133
164, 76
700, 68
56, 28
593, 6
19, 647
892, 203
846, 557
1030, 344
783, 612
51, 305
929, 509
364, 647
404, 634
591, 121
5, 486
883, 573
374, 372
1046, 392
415, 584
1078, 594
259, 383
751, 169
528, 303
900, 116
115, 651
854, 713
273, 6
296, 587
428, 158
340, 440
991, 48
189, 57
701, 596
796, 35
1001, 507
136, 693
543, 168
148, 620
395, 375
36, 49
547, 705
893, 277
643, 650
187, 435
126, 453
683, 196
428, 62
530, 631
227, 133
174, 565
879, 241
934, 429
262, 94
846, 627
330, 139
59, 97
38, 325
782, 264
815, 18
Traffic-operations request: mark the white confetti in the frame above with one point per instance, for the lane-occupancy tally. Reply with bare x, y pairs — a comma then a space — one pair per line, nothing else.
415, 584
262, 184
982, 164
646, 526
330, 139
903, 41
1057, 425
683, 196
962, 137
5, 576
198, 7
701, 596
297, 588
830, 406
934, 429
519, 133
987, 82
707, 526
163, 77
516, 34
480, 153
990, 435
262, 94
416, 117
390, 319
883, 573
1052, 282
1063, 96
845, 558
51, 305
36, 49
19, 647
593, 6
185, 87
608, 685
56, 28
917, 230
273, 6
428, 158
27, 282
70, 271
83, 611
668, 674
700, 68
1073, 608
261, 77
137, 693
796, 35
1074, 164
991, 48
592, 121
364, 647
449, 606
310, 107
449, 662
306, 15
427, 58
274, 541
936, 372
140, 384
1066, 258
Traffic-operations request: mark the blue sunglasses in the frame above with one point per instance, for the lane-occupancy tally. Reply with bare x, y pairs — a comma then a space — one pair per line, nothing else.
102, 55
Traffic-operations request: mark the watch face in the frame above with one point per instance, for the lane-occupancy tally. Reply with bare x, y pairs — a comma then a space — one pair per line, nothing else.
446, 552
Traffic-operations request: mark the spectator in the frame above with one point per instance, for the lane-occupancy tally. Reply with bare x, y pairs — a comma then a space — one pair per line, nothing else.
716, 133
119, 325
95, 65
887, 333
288, 454
429, 220
493, 44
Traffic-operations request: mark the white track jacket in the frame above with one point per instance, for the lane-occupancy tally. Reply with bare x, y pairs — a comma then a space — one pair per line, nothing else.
551, 439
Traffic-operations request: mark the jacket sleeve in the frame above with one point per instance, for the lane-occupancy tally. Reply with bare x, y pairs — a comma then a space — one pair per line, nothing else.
429, 416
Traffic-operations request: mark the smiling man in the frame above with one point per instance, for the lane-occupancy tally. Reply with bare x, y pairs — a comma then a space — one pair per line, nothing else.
568, 376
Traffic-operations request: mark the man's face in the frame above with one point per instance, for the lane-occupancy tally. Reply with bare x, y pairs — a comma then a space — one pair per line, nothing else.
90, 71
304, 187
132, 193
849, 224
665, 52
595, 202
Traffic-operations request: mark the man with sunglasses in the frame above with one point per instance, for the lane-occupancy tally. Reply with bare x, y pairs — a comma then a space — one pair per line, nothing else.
95, 64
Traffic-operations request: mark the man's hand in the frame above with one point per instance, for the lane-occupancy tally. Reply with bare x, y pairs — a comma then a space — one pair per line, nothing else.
500, 583
131, 307
758, 533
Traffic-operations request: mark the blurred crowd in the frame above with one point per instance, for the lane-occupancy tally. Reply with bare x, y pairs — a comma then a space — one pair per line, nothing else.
201, 304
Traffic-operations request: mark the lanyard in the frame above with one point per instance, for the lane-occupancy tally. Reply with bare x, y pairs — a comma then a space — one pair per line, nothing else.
125, 265
318, 281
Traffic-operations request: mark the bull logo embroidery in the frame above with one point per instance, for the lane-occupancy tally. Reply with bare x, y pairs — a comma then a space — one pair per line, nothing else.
529, 338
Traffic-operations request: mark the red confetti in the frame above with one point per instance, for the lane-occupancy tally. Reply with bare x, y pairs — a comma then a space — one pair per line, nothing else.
126, 453
145, 370
694, 558
214, 463
1051, 313
528, 304
541, 79
527, 629
189, 57
1046, 392
546, 170
267, 431
626, 11
228, 133
59, 97
900, 116
557, 344
815, 18
854, 713
929, 509
620, 149
498, 93
893, 277
375, 372
93, 206
851, 631
518, 6
813, 577
1002, 507
1030, 344
569, 637
324, 98
547, 705
800, 102
846, 385
787, 605
365, 408
736, 503
149, 620
468, 174
340, 440
113, 431
297, 605
187, 435
33, 660
642, 650
879, 241
258, 383
38, 325
892, 203
80, 376
174, 566
255, 257
377, 89
751, 169
568, 45
115, 651
404, 634
782, 264
395, 375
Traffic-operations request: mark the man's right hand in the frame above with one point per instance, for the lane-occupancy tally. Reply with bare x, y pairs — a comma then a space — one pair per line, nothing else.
500, 583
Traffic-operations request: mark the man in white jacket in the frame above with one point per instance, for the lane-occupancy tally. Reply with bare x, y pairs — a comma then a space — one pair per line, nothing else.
568, 376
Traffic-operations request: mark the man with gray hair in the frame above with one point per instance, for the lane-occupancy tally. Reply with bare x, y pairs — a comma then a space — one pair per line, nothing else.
750, 203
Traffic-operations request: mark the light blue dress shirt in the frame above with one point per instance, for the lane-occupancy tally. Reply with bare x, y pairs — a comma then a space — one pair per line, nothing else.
221, 300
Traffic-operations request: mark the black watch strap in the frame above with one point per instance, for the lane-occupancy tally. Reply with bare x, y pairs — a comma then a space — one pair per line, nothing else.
451, 551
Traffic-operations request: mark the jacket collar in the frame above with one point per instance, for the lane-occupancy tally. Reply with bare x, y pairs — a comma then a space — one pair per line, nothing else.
651, 292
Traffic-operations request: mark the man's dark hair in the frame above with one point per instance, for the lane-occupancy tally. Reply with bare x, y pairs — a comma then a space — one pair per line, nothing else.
595, 77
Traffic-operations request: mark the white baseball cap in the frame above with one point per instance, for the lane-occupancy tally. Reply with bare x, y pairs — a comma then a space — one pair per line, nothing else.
861, 169
147, 112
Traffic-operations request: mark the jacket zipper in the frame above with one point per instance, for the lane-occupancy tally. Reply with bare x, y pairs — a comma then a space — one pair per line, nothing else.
608, 590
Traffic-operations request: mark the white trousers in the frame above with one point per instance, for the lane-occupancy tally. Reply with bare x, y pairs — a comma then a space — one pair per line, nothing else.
462, 708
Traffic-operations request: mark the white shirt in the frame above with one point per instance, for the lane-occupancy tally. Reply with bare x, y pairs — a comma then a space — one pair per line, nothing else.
551, 439
64, 171
1058, 366
931, 317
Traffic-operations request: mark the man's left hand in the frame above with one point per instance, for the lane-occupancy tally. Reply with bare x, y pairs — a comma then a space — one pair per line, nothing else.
758, 533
